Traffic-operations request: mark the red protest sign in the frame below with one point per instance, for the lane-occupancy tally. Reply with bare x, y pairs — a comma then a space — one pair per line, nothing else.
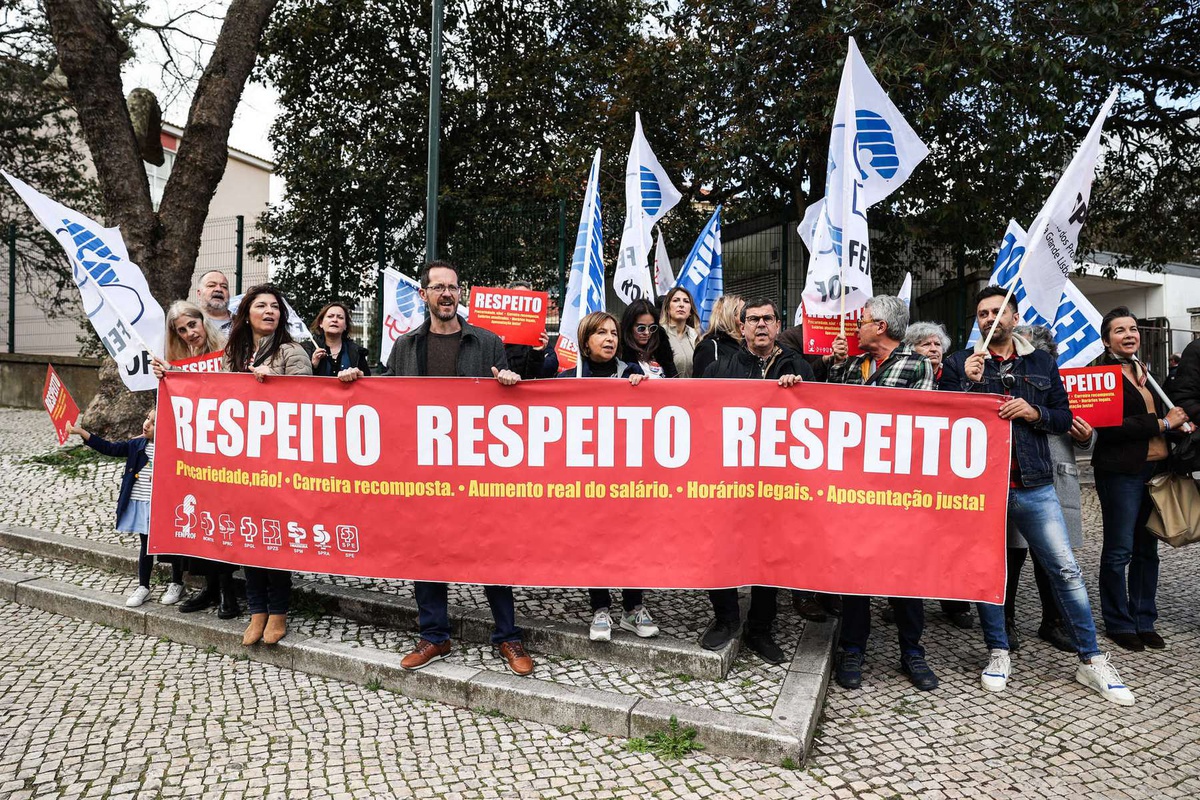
517, 316
59, 404
1096, 394
819, 333
804, 487
209, 362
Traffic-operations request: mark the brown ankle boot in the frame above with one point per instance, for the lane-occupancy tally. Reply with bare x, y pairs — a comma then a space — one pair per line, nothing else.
254, 631
276, 628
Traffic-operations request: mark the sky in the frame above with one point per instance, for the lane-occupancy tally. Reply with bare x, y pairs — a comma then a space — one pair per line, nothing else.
259, 104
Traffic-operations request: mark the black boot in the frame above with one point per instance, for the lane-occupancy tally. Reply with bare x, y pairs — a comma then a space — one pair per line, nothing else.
205, 598
228, 609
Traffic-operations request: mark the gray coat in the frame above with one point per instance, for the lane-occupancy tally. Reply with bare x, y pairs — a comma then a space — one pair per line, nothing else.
479, 352
1066, 486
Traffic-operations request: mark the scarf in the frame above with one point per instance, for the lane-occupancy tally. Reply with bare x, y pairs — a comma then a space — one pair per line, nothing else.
1139, 370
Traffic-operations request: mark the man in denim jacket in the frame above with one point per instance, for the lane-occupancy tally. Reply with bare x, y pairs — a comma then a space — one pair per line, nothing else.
1036, 404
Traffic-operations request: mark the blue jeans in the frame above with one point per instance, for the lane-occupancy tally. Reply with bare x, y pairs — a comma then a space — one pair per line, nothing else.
1038, 516
268, 591
433, 612
1125, 505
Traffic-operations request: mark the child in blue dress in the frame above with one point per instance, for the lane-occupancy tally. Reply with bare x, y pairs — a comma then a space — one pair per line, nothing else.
133, 505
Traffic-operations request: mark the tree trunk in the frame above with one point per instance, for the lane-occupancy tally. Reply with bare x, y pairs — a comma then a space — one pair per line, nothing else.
164, 244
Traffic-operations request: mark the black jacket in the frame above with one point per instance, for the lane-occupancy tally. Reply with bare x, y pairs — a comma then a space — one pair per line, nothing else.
353, 354
793, 339
662, 354
1185, 388
711, 349
744, 364
1123, 448
525, 360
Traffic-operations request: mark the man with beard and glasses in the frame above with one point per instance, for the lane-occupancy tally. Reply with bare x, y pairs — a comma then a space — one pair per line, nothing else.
213, 293
1036, 404
447, 346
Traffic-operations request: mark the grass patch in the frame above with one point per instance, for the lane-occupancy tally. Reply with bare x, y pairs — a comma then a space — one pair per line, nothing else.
73, 462
307, 607
374, 685
683, 677
675, 742
789, 763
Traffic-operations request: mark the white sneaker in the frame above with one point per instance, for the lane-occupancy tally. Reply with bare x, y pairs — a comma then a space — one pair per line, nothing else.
601, 630
1102, 676
995, 676
172, 594
640, 622
138, 597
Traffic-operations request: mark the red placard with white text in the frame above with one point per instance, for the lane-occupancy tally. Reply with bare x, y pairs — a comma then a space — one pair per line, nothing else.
209, 362
517, 316
1096, 394
59, 404
825, 487
819, 333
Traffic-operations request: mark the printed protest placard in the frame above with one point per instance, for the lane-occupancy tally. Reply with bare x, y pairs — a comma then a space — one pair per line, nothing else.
209, 362
518, 316
59, 405
1096, 394
819, 333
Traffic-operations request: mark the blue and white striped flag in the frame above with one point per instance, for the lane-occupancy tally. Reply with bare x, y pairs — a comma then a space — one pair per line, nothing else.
585, 287
701, 273
649, 195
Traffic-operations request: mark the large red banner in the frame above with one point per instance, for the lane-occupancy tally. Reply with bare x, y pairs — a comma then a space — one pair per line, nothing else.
668, 484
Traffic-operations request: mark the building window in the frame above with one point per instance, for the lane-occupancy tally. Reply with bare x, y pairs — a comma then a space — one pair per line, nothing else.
158, 177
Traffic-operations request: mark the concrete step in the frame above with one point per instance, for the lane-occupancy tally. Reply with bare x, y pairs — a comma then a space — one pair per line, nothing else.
563, 638
467, 679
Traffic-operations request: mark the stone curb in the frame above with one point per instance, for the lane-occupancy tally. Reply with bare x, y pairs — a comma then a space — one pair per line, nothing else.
485, 690
377, 608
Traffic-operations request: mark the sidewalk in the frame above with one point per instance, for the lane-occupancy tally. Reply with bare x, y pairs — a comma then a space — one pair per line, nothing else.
91, 711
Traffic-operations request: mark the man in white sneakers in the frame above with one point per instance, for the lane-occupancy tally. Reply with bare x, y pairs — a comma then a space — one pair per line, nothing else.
1037, 406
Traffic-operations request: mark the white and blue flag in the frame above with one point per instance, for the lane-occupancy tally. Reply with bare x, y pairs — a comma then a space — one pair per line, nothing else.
1076, 321
701, 273
585, 286
1054, 234
872, 151
116, 298
649, 195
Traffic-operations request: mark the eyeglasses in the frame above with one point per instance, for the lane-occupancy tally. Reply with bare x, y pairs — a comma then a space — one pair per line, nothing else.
859, 323
645, 328
766, 319
441, 288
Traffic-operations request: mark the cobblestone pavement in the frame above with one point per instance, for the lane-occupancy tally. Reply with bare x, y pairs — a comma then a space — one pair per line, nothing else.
89, 711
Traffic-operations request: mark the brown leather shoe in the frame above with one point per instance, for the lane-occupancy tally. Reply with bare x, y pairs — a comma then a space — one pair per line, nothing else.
518, 660
276, 629
426, 652
254, 631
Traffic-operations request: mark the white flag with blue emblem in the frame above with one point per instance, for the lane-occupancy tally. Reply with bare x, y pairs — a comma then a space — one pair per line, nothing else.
129, 321
1054, 235
872, 151
702, 273
1076, 321
585, 286
905, 292
649, 195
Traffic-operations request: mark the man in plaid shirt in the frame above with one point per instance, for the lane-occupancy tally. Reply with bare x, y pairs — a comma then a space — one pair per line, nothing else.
887, 361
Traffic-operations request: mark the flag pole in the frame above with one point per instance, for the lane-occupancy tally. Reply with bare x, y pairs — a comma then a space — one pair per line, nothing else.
1039, 231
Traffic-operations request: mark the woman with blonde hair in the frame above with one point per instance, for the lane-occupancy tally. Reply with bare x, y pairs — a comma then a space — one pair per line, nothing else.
724, 335
189, 334
682, 324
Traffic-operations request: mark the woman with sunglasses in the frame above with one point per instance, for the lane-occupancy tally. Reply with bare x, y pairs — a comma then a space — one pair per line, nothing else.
644, 343
598, 346
1125, 458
